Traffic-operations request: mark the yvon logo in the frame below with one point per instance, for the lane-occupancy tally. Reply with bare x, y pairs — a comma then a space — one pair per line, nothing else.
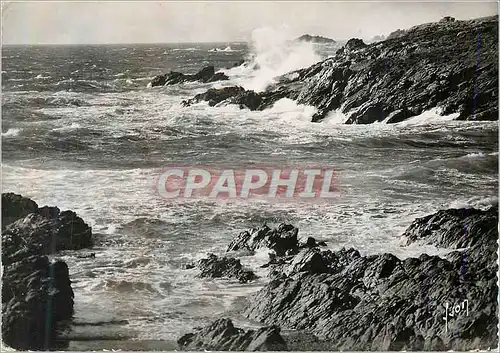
258, 182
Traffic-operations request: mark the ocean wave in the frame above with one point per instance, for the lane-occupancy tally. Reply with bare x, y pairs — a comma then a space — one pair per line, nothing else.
227, 49
475, 202
12, 132
41, 77
183, 49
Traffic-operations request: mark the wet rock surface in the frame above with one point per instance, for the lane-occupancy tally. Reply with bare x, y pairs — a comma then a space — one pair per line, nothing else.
380, 302
224, 267
412, 71
37, 303
454, 228
15, 206
36, 234
207, 74
37, 298
222, 335
282, 240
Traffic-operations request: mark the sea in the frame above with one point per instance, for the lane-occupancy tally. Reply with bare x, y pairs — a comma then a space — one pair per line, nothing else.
82, 130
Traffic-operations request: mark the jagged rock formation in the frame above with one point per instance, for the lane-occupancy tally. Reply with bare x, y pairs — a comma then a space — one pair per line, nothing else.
37, 298
282, 240
314, 39
221, 335
207, 74
449, 65
219, 267
380, 302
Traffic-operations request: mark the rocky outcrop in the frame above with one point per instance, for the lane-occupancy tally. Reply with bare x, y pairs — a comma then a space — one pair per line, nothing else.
15, 206
380, 302
282, 240
37, 299
37, 302
314, 39
448, 65
221, 335
207, 74
215, 95
454, 228
224, 267
36, 234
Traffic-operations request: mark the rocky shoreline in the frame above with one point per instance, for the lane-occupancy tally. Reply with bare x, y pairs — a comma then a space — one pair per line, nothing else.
450, 66
37, 298
314, 299
347, 301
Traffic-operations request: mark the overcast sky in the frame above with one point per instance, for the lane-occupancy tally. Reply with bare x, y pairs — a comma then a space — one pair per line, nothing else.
163, 22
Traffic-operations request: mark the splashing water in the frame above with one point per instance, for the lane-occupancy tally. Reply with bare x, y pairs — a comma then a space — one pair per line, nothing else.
274, 54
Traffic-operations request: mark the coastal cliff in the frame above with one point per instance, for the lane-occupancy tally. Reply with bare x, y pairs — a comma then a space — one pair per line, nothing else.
449, 65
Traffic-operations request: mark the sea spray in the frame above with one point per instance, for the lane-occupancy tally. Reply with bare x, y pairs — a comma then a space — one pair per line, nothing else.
272, 54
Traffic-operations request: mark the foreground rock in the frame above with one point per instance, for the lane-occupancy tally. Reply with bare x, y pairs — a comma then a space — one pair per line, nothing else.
36, 234
380, 302
454, 228
314, 39
37, 299
37, 302
207, 74
215, 267
221, 335
15, 206
412, 71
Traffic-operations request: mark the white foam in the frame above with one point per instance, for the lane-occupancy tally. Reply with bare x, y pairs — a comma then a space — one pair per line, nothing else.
12, 132
273, 54
335, 117
430, 116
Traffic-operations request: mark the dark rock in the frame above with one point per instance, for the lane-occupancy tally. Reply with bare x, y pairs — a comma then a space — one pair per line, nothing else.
447, 19
221, 335
379, 302
36, 234
412, 71
49, 212
86, 256
214, 95
454, 228
246, 99
283, 239
37, 300
207, 74
15, 206
37, 296
219, 76
215, 267
354, 44
314, 39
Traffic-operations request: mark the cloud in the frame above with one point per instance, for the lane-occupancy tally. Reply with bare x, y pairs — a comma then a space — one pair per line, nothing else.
149, 22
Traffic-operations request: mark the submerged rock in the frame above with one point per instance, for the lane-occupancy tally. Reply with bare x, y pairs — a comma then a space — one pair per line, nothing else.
380, 302
215, 267
425, 67
221, 335
207, 74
